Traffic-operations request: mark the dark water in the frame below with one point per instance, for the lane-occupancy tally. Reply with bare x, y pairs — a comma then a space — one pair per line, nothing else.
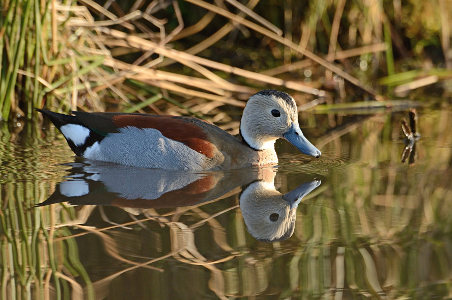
356, 223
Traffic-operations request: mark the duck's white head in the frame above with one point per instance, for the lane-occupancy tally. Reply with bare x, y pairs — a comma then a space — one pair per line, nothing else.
270, 115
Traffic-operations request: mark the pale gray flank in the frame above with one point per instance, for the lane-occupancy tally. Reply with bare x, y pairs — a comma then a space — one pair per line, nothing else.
146, 148
140, 183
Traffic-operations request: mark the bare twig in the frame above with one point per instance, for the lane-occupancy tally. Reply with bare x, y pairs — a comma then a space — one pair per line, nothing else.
338, 55
255, 16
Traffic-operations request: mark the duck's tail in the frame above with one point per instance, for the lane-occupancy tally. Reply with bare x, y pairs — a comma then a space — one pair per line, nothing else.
78, 136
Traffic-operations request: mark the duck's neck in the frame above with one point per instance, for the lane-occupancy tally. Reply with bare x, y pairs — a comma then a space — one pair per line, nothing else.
256, 142
266, 157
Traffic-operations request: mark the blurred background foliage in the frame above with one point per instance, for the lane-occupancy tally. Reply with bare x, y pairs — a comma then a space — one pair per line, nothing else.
202, 58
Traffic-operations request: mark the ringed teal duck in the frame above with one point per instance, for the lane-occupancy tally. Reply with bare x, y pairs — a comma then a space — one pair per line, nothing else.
185, 143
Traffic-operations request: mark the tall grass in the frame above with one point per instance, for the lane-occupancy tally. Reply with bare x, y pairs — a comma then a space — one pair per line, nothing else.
89, 55
41, 60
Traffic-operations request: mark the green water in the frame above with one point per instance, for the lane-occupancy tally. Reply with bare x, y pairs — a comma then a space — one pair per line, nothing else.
369, 225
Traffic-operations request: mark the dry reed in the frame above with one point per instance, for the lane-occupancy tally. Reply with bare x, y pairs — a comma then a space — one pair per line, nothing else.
90, 55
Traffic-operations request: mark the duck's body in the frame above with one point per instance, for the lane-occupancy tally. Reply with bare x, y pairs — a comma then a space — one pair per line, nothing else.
183, 143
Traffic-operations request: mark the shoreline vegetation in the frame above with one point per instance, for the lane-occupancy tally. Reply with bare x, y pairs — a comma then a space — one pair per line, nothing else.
194, 57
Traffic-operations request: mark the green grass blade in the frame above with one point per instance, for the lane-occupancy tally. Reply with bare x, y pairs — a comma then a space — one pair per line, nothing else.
143, 104
18, 58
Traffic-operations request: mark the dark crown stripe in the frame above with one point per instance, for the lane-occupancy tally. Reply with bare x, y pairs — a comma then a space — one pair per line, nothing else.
286, 97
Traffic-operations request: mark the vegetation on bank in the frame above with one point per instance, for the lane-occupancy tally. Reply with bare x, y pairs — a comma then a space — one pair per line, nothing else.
196, 57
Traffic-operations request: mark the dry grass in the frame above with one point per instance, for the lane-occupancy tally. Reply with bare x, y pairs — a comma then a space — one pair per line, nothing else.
144, 57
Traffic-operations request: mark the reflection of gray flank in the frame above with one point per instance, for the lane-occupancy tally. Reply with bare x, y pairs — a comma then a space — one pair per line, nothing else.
140, 183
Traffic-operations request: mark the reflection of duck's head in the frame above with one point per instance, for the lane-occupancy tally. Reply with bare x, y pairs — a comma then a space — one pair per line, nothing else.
268, 214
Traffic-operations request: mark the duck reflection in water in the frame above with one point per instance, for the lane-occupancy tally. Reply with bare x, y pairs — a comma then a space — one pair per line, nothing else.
268, 214
100, 183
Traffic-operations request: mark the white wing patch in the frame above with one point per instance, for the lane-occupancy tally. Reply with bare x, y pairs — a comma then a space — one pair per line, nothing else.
74, 188
76, 133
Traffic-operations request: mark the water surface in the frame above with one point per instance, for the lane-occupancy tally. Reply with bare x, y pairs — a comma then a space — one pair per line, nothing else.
358, 222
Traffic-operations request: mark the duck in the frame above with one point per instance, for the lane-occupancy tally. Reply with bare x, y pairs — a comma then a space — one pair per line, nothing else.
186, 143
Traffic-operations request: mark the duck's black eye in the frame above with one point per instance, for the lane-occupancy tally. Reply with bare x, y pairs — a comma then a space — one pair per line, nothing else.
274, 217
275, 113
